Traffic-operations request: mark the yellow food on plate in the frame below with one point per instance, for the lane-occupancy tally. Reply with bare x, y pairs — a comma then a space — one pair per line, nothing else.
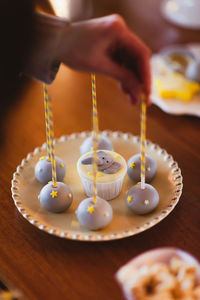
175, 85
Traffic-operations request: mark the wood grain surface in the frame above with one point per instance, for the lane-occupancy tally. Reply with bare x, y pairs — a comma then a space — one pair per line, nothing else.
47, 267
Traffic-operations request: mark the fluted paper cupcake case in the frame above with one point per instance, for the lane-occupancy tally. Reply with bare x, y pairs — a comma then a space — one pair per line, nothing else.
107, 190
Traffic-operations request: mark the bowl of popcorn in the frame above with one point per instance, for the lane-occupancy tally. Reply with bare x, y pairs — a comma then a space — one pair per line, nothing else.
161, 274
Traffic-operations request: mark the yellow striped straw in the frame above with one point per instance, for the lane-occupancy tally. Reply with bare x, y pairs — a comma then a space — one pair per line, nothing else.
143, 139
47, 121
50, 133
95, 135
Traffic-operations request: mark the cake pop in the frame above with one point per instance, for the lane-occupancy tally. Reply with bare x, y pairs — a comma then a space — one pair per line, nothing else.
93, 215
43, 169
56, 199
142, 201
103, 144
134, 168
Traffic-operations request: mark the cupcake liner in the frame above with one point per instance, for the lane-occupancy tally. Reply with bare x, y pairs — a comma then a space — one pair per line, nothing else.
107, 191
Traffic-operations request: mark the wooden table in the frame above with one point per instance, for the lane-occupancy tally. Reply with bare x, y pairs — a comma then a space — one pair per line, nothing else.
46, 267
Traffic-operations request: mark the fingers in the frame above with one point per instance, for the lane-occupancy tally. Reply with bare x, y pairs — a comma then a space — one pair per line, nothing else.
141, 54
107, 46
131, 53
128, 81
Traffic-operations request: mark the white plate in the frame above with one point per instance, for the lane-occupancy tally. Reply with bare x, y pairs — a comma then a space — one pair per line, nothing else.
184, 13
25, 190
174, 106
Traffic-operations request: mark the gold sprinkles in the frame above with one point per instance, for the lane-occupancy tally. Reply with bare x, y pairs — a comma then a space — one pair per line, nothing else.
99, 174
90, 209
132, 165
42, 158
130, 198
54, 194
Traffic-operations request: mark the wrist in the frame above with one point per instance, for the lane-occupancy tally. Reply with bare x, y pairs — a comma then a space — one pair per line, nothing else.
44, 62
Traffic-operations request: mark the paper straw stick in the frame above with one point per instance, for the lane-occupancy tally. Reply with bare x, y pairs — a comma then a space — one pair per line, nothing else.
47, 122
95, 135
50, 133
143, 139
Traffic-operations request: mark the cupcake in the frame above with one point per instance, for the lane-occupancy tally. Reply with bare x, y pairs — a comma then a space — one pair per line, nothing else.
159, 274
110, 175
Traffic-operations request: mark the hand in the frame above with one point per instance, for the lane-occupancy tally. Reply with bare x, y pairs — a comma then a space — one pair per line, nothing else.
106, 45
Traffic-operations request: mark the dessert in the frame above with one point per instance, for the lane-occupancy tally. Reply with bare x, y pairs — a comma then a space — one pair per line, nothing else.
193, 71
43, 169
142, 201
134, 168
93, 215
110, 175
176, 86
56, 199
165, 273
177, 58
103, 144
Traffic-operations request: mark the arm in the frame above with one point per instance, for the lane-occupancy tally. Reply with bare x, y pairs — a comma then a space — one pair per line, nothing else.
104, 45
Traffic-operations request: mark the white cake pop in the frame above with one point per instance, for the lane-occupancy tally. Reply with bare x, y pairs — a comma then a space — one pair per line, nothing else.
56, 199
43, 169
93, 215
142, 201
103, 144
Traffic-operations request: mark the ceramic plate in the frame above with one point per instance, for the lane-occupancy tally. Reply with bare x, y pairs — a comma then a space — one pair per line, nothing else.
25, 190
174, 106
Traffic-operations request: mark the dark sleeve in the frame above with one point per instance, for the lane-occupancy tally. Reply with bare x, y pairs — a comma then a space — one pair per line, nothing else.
16, 33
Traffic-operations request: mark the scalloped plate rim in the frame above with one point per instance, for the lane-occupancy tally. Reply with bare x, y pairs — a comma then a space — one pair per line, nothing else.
85, 237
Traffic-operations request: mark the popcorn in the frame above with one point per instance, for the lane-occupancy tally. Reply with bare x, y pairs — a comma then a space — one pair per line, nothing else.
173, 281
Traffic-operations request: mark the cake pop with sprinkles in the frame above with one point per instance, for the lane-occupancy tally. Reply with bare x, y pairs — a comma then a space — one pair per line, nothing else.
55, 196
134, 167
43, 169
94, 213
142, 201
142, 198
103, 144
